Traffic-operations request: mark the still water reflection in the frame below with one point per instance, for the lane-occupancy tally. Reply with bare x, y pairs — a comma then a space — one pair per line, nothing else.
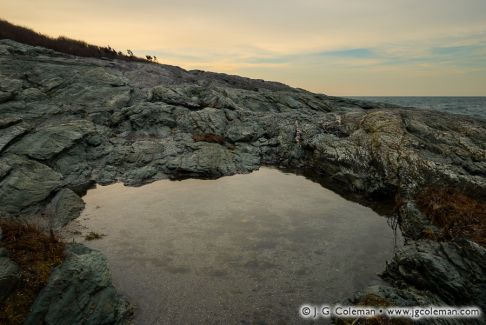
240, 249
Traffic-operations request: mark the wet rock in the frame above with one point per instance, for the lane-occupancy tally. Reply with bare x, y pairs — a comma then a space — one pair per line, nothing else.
247, 131
425, 273
119, 100
413, 223
208, 160
46, 142
5, 168
9, 88
63, 208
80, 292
193, 96
146, 116
103, 76
7, 135
9, 121
27, 183
31, 94
453, 271
139, 176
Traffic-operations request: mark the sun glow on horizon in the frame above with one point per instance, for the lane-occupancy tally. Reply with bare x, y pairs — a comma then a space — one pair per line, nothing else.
404, 47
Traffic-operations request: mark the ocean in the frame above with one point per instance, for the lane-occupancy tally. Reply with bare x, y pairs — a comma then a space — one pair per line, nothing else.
471, 106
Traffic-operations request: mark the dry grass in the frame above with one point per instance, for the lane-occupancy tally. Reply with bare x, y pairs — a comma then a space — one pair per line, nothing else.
93, 236
456, 214
372, 300
36, 253
61, 44
208, 137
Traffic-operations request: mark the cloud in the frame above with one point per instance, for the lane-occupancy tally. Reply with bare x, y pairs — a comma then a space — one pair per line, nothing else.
351, 53
349, 47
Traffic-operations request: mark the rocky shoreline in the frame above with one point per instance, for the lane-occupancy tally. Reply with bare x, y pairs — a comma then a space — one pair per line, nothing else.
67, 123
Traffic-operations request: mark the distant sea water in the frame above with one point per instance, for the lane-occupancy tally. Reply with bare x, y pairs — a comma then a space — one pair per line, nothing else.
471, 106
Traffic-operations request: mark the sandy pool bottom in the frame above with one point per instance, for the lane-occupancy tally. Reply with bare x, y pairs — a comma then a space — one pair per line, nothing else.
242, 249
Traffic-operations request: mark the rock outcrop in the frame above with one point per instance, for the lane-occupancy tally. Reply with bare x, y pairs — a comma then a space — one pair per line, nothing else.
426, 272
80, 292
68, 122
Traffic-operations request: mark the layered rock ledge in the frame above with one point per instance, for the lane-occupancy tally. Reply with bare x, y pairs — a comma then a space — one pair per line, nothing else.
67, 123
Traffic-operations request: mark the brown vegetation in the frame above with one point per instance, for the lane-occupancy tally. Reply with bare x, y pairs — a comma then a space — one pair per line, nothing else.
62, 44
208, 137
94, 235
36, 253
454, 213
372, 300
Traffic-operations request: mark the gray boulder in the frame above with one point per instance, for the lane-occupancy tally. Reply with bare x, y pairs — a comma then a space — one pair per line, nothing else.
49, 141
453, 271
79, 291
10, 133
27, 183
64, 207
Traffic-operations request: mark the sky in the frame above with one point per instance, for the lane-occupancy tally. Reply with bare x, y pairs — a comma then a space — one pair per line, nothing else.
336, 47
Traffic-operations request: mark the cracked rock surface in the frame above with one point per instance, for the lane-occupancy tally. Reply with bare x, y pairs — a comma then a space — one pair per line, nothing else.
67, 123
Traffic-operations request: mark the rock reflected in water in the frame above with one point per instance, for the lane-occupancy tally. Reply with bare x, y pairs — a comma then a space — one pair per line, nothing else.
240, 249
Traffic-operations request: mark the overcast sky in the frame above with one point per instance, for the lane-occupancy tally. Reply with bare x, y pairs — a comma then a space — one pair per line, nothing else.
338, 47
